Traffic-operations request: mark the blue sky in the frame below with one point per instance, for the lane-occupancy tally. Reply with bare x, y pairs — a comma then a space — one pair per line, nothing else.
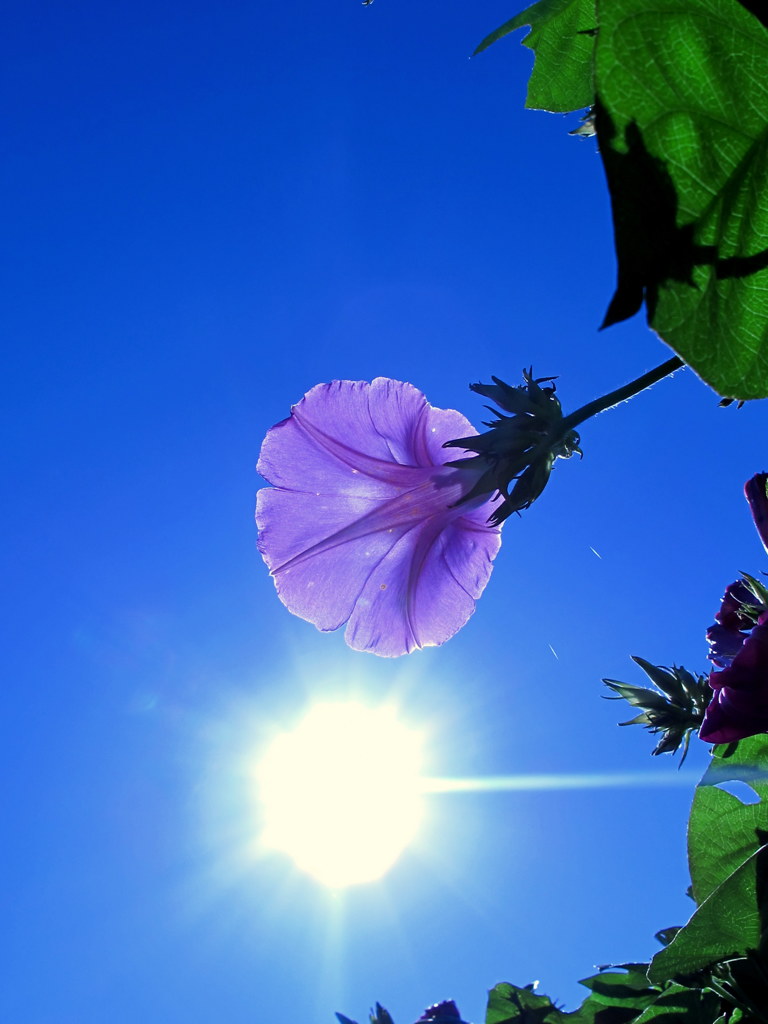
208, 210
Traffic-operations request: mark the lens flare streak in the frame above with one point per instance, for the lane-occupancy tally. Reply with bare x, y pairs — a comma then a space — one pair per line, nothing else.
555, 781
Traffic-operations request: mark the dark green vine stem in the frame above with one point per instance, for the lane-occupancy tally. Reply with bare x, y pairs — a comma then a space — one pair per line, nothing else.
620, 394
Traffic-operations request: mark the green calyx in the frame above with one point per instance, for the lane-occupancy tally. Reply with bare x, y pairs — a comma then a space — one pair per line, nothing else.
522, 443
525, 440
674, 707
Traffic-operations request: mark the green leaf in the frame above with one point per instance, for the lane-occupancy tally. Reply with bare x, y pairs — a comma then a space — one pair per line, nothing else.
562, 38
682, 123
613, 999
728, 864
630, 991
678, 1005
665, 935
723, 832
508, 1003
726, 925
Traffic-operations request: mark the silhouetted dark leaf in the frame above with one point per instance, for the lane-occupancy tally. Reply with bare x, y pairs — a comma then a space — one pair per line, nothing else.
682, 123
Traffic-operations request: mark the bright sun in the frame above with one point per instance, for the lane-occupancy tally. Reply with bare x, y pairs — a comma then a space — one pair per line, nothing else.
341, 792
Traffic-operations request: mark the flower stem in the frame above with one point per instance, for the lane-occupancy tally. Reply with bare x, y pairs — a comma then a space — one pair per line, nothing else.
620, 394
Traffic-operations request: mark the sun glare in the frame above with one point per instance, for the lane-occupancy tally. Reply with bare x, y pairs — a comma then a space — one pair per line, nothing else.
341, 792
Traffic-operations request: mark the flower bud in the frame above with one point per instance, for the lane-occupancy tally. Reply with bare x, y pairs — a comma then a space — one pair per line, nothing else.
675, 707
441, 1013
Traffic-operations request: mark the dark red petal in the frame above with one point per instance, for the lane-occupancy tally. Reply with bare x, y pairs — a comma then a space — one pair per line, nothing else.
755, 491
739, 707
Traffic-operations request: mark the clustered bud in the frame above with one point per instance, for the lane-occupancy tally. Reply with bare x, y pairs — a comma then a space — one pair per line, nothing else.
441, 1013
675, 707
520, 449
446, 1012
744, 602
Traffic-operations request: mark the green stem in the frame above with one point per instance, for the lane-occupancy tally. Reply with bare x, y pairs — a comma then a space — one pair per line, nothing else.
620, 394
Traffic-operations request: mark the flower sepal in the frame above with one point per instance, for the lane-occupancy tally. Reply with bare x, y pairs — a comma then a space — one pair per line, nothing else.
759, 592
520, 449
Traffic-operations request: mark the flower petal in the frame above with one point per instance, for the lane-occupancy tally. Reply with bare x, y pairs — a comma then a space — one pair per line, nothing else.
316, 452
739, 707
321, 586
729, 630
724, 644
732, 615
414, 430
424, 590
352, 437
756, 491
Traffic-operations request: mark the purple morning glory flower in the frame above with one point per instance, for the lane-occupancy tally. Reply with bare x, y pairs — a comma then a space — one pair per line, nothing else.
739, 647
365, 524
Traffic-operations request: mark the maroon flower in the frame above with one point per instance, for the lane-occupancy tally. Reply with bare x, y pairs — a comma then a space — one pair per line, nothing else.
756, 491
739, 707
739, 646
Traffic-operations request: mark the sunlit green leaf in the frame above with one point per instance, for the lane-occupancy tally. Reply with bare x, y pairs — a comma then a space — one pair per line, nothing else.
508, 1003
629, 990
728, 863
613, 999
678, 1005
727, 924
723, 831
682, 123
562, 38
